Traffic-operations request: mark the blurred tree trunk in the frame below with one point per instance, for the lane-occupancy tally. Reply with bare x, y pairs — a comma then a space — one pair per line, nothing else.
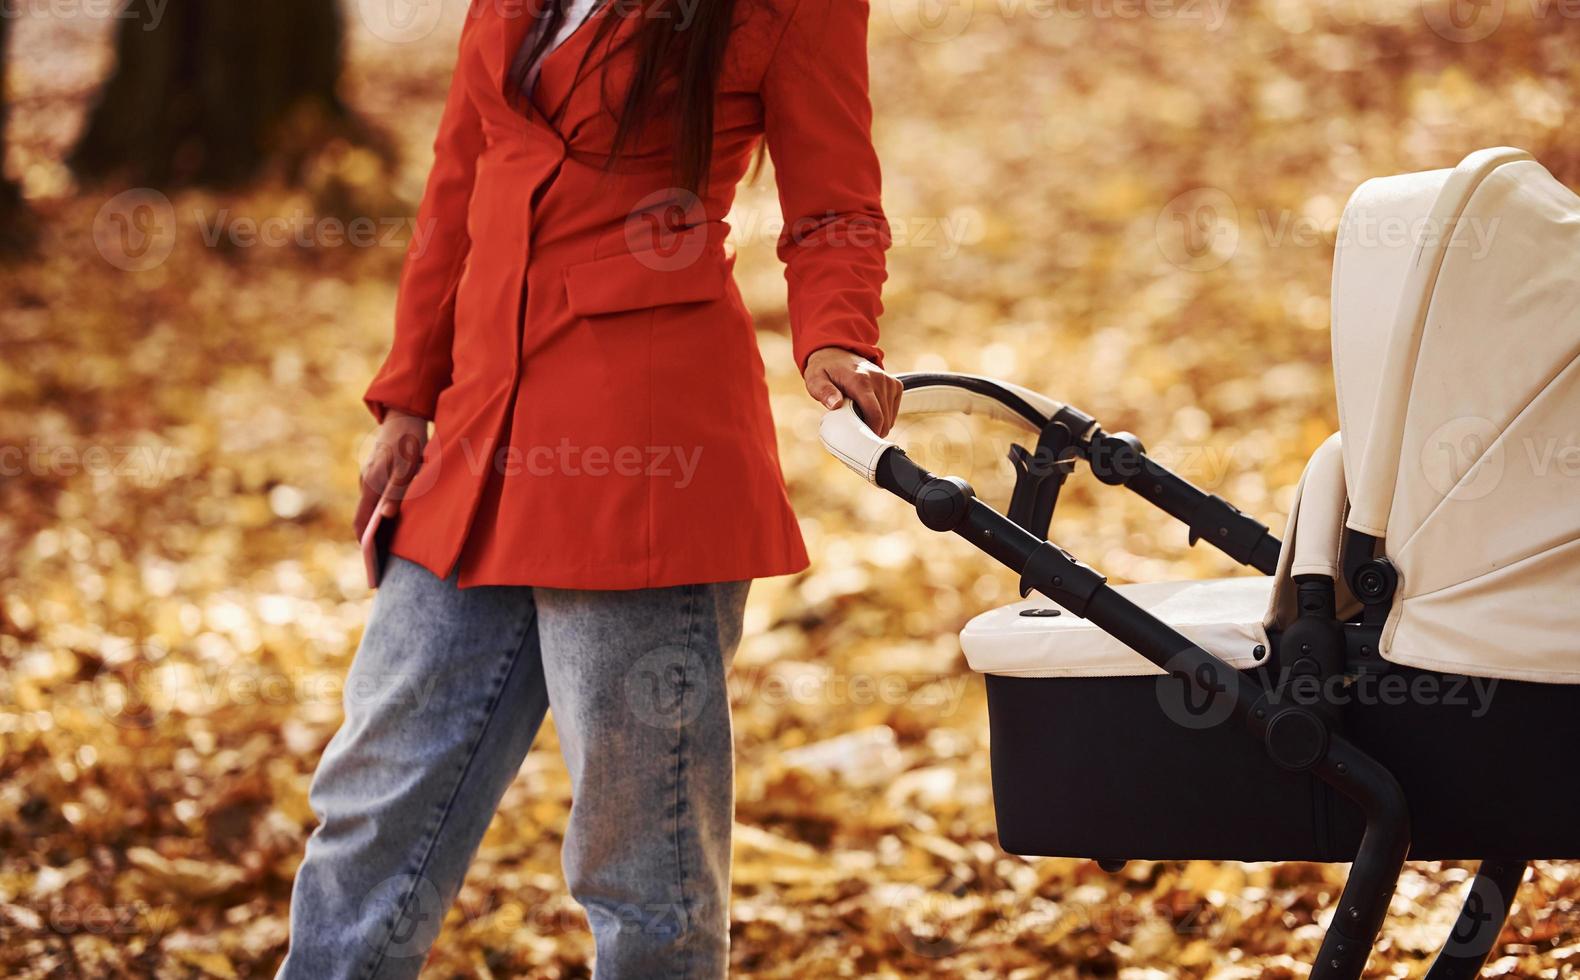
214, 91
16, 223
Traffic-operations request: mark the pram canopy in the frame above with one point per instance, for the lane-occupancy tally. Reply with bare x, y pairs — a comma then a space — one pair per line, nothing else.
1456, 325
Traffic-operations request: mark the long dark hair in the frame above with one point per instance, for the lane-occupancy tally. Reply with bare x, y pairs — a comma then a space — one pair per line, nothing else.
669, 46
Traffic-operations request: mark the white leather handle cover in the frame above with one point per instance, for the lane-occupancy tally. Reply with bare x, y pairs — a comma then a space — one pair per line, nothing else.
849, 440
941, 398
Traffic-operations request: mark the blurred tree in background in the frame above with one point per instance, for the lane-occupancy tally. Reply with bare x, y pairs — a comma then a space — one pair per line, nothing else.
16, 225
215, 93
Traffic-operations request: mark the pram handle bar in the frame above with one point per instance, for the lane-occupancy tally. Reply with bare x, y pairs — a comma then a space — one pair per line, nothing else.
849, 440
1293, 735
847, 437
1064, 433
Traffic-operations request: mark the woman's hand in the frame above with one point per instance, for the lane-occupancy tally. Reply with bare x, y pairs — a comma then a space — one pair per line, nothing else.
833, 373
397, 453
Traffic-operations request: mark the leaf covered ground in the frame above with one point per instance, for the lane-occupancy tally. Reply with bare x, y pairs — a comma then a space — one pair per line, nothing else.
1128, 206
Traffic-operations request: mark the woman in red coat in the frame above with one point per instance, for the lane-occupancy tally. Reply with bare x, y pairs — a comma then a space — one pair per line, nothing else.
601, 483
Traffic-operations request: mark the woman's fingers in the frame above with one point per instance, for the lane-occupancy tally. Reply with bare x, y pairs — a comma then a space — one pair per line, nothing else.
374, 477
878, 394
389, 472
822, 387
848, 383
872, 409
890, 389
405, 458
833, 374
365, 506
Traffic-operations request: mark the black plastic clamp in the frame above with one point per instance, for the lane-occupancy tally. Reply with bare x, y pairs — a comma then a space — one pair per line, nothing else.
1296, 738
1374, 581
1227, 528
1116, 459
1061, 577
944, 502
1040, 474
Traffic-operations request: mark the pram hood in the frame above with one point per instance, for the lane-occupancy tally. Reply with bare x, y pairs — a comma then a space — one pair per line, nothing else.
1456, 325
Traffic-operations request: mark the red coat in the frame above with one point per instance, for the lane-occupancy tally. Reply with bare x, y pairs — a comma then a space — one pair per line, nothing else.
600, 415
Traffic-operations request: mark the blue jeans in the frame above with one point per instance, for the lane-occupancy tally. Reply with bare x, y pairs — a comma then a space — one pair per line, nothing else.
442, 702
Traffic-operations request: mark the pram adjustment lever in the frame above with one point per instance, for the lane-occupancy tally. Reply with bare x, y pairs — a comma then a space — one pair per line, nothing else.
1065, 433
1120, 460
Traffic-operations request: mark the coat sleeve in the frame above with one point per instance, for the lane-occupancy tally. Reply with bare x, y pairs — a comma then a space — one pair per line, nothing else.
418, 366
817, 122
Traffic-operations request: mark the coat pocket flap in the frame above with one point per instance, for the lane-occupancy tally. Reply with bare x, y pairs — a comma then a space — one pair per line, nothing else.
642, 280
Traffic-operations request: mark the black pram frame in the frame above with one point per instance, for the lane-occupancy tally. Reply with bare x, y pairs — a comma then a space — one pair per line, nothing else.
1278, 724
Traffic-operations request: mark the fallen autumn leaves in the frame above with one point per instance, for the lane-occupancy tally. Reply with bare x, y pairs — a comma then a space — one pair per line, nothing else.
177, 615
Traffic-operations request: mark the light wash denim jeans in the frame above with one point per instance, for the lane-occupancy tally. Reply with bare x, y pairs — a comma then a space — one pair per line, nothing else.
442, 702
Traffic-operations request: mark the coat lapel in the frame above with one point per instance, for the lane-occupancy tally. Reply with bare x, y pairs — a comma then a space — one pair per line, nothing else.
517, 18
568, 89
574, 71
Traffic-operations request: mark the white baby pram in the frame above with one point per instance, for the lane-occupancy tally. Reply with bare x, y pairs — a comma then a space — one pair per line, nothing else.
1405, 681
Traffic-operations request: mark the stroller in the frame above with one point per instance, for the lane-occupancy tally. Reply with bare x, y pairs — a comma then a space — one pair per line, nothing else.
1406, 669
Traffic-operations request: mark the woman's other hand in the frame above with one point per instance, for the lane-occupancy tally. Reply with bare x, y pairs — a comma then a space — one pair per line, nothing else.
833, 374
396, 456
